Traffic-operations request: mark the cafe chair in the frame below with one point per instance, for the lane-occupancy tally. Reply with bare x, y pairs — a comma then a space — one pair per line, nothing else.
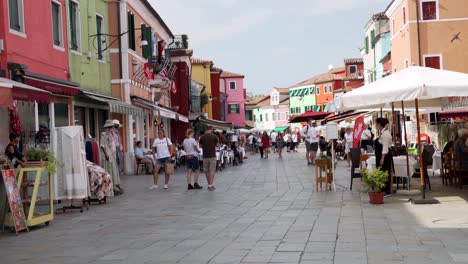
139, 166
460, 174
355, 165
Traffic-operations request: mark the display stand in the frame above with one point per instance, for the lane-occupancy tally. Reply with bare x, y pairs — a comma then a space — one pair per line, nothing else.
323, 174
38, 205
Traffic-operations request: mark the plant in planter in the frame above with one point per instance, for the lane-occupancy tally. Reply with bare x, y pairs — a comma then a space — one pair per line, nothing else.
373, 182
39, 155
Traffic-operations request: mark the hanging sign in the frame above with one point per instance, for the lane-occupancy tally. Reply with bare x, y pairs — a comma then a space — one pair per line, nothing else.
359, 127
14, 200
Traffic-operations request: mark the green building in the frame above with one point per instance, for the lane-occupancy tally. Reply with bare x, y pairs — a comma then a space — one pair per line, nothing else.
301, 100
89, 60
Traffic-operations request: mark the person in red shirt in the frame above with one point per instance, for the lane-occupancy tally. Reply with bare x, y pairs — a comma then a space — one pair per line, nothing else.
266, 144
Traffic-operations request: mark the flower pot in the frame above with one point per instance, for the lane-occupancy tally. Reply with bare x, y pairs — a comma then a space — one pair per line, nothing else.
376, 197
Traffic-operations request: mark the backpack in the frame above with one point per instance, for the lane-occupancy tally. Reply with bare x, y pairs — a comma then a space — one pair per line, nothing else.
254, 140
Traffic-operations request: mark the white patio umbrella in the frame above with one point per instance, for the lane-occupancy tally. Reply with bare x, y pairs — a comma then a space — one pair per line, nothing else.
414, 87
243, 130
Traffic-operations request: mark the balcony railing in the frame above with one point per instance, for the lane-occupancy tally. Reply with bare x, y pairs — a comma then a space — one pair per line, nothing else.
178, 42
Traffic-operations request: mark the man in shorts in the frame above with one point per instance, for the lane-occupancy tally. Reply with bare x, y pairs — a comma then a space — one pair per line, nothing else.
311, 137
208, 143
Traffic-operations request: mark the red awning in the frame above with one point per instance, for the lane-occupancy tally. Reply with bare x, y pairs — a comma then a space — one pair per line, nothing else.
53, 87
309, 115
23, 92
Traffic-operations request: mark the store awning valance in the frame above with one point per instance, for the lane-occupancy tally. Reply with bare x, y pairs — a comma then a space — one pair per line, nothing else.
309, 115
115, 106
53, 85
182, 118
23, 92
215, 123
280, 129
158, 110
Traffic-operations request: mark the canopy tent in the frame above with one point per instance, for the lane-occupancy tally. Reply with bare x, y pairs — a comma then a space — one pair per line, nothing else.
280, 129
414, 86
309, 115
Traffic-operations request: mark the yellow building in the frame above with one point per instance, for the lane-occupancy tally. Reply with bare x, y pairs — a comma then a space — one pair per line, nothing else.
201, 73
437, 39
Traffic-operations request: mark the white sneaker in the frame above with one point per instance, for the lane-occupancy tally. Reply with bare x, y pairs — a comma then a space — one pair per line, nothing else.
153, 187
166, 187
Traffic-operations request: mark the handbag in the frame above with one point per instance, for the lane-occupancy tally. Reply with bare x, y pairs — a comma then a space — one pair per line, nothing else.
169, 168
171, 148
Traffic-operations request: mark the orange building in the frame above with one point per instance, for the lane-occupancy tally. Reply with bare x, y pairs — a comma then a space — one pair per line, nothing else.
429, 33
325, 85
354, 74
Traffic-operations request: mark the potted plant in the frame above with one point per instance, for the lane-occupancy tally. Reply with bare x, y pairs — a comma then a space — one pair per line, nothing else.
373, 182
42, 158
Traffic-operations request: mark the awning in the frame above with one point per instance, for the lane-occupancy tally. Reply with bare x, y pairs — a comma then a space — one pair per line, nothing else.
280, 129
23, 92
309, 115
115, 106
216, 124
182, 118
158, 110
343, 116
52, 85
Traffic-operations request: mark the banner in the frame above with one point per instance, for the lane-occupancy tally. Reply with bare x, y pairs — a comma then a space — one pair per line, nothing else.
14, 200
359, 127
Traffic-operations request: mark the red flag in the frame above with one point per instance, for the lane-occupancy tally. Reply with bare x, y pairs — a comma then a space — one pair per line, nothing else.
359, 127
148, 72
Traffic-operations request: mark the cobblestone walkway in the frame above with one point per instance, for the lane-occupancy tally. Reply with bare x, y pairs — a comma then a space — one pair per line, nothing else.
265, 211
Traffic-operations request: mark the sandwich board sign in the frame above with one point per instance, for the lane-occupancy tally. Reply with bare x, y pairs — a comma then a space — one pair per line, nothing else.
14, 200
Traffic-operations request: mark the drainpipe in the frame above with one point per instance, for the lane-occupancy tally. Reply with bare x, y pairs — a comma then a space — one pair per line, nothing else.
119, 26
419, 32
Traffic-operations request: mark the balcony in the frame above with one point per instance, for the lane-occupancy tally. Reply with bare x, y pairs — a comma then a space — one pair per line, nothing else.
179, 42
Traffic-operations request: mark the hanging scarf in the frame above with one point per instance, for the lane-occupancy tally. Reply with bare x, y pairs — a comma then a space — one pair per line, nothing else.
15, 123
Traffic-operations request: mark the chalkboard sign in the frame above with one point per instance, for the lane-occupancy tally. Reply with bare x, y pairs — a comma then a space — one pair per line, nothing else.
14, 200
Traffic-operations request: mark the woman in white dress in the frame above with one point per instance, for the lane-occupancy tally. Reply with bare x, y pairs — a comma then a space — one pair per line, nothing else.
348, 142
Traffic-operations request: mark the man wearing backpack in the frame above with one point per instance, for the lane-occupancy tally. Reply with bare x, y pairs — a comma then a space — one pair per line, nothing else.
311, 138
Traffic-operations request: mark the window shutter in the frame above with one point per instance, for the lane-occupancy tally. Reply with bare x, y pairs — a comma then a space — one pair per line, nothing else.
372, 36
99, 38
73, 25
366, 45
55, 23
131, 31
147, 49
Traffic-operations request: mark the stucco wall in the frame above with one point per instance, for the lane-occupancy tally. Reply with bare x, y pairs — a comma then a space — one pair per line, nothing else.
202, 74
235, 96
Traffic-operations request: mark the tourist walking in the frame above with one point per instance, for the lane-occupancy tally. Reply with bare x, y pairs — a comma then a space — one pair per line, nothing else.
280, 144
311, 137
259, 144
266, 144
162, 147
191, 159
208, 143
273, 136
251, 140
294, 142
348, 143
383, 155
288, 140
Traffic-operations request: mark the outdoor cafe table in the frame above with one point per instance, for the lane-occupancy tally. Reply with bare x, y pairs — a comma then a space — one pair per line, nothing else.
399, 164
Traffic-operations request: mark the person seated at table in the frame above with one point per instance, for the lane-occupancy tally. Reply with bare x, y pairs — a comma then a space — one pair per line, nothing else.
461, 148
12, 151
141, 158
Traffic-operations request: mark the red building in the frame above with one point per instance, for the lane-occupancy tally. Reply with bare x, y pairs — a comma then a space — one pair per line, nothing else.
325, 85
354, 74
34, 50
215, 92
180, 99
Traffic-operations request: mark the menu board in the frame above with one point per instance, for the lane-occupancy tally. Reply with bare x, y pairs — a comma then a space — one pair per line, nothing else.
14, 200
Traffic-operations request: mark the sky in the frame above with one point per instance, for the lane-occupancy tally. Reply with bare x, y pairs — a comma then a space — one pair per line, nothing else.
274, 43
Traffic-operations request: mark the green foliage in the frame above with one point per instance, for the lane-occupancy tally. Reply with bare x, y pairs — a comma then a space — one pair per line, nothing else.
375, 179
34, 154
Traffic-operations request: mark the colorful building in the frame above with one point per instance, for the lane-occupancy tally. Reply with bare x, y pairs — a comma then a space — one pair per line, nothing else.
234, 83
216, 93
201, 73
325, 86
34, 51
376, 47
89, 67
354, 74
259, 113
429, 33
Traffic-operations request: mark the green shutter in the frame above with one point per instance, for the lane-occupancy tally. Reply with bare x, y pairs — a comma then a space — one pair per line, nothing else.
73, 26
312, 89
372, 38
147, 49
99, 38
131, 31
13, 11
366, 45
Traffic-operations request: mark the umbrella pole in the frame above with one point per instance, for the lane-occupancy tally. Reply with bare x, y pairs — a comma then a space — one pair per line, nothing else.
394, 144
421, 164
406, 141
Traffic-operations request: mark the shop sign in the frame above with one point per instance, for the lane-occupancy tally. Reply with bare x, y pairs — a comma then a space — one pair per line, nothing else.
14, 200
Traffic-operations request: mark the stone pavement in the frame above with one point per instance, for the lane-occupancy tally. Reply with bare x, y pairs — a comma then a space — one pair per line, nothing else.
264, 211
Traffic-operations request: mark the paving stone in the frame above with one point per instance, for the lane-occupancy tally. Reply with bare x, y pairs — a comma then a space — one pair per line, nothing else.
291, 247
286, 257
320, 247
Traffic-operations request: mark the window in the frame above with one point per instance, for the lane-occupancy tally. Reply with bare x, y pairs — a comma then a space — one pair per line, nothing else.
261, 118
273, 117
232, 85
57, 28
100, 38
255, 118
406, 63
393, 26
266, 117
234, 108
366, 45
131, 31
352, 69
279, 116
16, 15
404, 16
298, 110
433, 61
330, 89
318, 90
372, 38
148, 36
429, 10
75, 34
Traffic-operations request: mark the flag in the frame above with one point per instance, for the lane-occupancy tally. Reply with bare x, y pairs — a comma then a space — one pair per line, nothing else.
147, 71
359, 127
173, 84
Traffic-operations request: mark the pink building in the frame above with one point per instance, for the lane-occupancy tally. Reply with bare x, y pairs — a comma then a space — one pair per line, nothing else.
282, 113
235, 103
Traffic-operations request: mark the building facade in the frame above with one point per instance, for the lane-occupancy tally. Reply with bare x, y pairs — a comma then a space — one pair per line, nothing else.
354, 74
215, 92
429, 33
234, 85
201, 73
